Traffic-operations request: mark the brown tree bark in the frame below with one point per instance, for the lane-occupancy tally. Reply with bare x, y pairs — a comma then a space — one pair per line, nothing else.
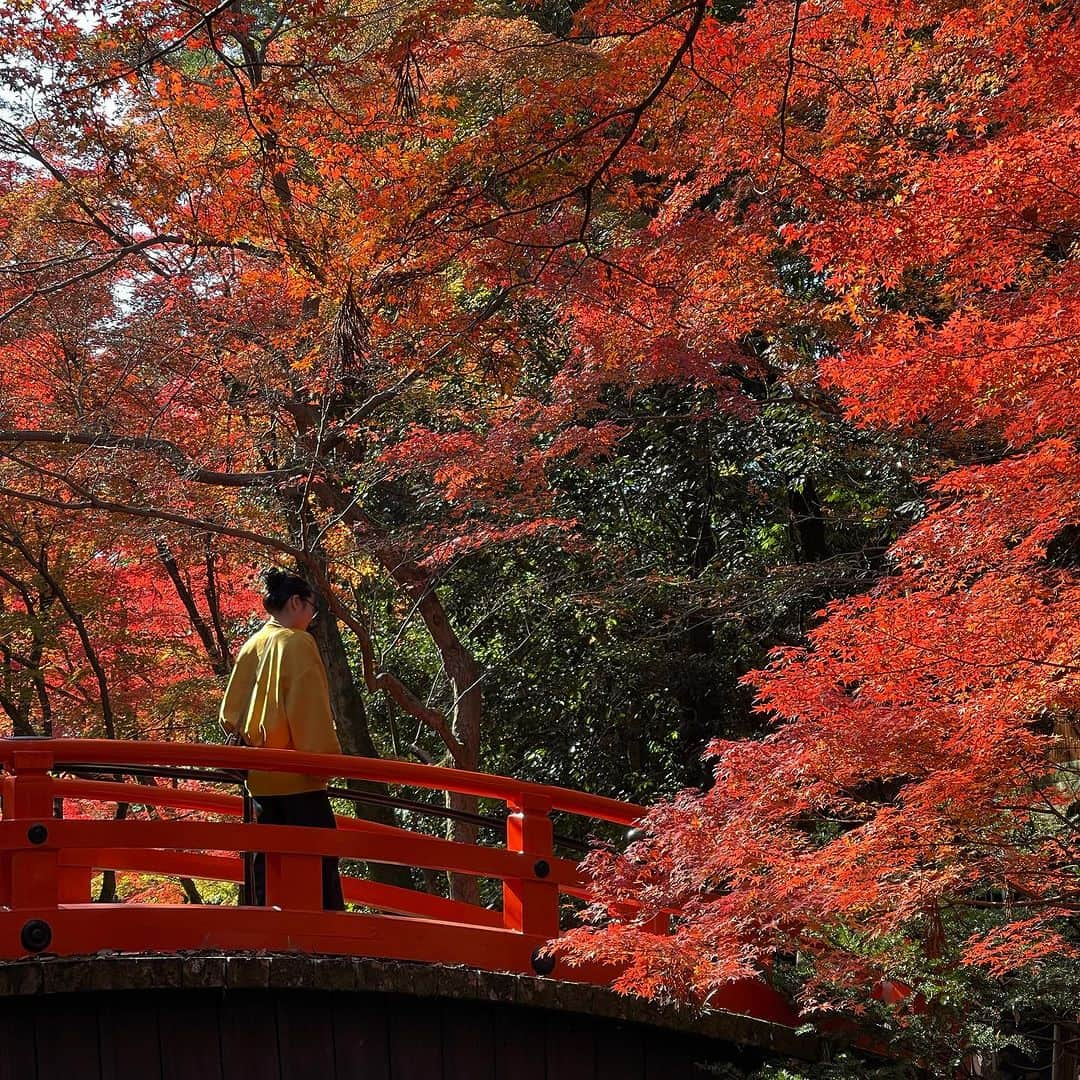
40, 563
219, 661
20, 710
463, 673
352, 726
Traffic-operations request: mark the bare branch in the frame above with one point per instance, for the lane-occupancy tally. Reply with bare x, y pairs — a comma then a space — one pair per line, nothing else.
169, 451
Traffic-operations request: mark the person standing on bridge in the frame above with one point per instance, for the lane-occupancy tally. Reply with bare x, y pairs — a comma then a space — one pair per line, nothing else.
278, 697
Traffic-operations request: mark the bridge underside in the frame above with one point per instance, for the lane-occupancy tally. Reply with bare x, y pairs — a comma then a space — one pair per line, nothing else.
209, 1016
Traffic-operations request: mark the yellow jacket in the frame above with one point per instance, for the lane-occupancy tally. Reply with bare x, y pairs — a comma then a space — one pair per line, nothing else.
278, 697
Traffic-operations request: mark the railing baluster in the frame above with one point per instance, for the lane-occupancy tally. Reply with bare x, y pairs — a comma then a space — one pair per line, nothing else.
75, 884
7, 810
32, 873
531, 904
294, 882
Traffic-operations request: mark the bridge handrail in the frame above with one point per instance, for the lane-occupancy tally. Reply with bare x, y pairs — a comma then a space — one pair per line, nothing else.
118, 752
47, 859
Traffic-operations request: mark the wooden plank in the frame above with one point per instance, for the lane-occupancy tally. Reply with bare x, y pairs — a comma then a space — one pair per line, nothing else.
190, 1037
1067, 1048
249, 1035
361, 1037
18, 1055
520, 1036
669, 1055
571, 1047
128, 1030
620, 1051
468, 1041
67, 1038
415, 1039
305, 1036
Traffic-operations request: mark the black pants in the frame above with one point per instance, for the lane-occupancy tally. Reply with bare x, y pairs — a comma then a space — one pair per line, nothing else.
306, 808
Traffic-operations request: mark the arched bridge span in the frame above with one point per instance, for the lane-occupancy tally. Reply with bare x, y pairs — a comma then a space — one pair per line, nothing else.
262, 1016
59, 828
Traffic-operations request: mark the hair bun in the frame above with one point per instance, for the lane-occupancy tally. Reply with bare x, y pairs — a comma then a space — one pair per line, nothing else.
278, 585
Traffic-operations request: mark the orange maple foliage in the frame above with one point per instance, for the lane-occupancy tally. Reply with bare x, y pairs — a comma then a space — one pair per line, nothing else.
384, 265
923, 766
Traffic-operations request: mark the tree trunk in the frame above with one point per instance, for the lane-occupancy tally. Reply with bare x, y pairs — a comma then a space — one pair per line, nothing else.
355, 737
807, 523
464, 675
108, 877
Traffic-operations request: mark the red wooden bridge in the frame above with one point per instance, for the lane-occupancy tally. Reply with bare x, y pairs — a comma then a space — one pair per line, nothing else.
59, 828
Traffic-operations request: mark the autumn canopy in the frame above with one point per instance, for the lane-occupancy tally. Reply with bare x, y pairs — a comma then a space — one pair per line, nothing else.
375, 289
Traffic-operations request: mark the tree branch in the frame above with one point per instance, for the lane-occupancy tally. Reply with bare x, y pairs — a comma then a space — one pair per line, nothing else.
169, 451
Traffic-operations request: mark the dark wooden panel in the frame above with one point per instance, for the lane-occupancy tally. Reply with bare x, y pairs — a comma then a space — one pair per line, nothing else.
571, 1047
249, 1036
668, 1056
128, 1029
708, 1055
360, 1038
190, 1037
269, 1033
468, 1041
305, 1036
520, 1038
18, 1059
67, 1039
415, 1039
620, 1052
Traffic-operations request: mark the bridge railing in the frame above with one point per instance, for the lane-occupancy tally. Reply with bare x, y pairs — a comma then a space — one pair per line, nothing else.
48, 861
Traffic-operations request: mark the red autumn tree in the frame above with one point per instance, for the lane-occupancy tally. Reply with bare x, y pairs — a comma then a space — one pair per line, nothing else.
111, 632
210, 272
361, 280
917, 791
263, 251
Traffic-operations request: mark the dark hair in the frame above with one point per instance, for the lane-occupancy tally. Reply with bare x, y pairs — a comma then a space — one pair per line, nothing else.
279, 586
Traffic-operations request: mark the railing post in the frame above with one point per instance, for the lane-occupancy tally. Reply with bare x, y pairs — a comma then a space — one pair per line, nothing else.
294, 882
75, 883
31, 873
531, 904
7, 803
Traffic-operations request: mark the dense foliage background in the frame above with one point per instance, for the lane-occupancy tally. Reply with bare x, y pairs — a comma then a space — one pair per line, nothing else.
636, 382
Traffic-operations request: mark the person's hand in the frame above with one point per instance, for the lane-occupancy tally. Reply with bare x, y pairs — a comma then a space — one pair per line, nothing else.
232, 738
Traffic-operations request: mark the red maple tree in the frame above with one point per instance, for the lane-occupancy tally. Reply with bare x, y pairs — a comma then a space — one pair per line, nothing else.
359, 282
917, 788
